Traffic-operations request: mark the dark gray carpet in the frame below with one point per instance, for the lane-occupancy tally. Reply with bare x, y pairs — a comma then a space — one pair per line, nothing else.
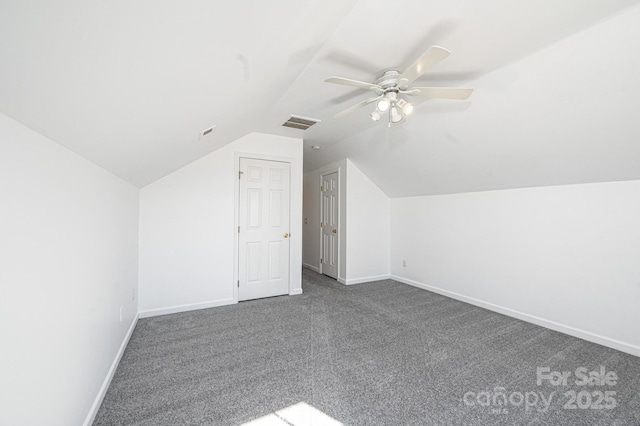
380, 353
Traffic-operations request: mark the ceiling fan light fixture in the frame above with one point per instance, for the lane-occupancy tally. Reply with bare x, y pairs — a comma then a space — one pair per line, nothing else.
395, 116
375, 115
383, 105
407, 107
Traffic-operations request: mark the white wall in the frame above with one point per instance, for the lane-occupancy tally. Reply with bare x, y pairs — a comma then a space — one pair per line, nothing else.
368, 216
68, 263
311, 213
187, 228
566, 257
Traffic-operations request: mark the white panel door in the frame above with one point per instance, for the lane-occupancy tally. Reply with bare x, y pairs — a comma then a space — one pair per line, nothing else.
329, 221
263, 238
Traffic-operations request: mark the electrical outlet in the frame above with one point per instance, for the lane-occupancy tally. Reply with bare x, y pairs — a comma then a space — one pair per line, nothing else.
404, 263
121, 307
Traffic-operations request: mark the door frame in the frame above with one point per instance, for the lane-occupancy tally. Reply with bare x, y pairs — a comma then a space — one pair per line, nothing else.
339, 215
236, 214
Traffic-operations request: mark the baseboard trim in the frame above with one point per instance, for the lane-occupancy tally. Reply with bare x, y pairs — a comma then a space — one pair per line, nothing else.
295, 292
112, 370
185, 308
562, 328
352, 281
342, 281
313, 268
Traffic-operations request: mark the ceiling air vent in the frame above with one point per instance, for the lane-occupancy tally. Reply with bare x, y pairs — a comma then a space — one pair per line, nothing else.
301, 123
206, 132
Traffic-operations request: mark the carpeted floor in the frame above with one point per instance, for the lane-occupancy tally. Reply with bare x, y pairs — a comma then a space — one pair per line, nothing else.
380, 353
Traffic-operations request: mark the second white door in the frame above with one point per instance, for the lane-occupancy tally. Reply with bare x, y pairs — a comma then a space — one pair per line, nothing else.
263, 239
329, 225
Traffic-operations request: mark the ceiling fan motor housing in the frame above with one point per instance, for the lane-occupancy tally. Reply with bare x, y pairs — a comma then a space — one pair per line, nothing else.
389, 80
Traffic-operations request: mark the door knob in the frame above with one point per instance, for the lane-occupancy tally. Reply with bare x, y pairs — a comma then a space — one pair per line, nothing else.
286, 235
335, 231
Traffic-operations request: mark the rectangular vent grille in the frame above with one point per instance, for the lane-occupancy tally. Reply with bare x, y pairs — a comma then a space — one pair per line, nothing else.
301, 123
206, 132
295, 125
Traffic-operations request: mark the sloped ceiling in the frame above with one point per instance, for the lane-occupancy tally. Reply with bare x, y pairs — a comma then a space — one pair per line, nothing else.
130, 85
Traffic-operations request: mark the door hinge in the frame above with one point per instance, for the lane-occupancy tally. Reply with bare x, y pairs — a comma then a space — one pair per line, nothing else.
320, 224
239, 175
238, 283
321, 188
238, 229
320, 260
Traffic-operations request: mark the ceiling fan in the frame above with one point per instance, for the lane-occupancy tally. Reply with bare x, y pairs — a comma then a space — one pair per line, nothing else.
393, 83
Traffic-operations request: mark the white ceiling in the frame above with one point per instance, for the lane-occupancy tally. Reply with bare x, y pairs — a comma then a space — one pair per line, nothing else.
130, 84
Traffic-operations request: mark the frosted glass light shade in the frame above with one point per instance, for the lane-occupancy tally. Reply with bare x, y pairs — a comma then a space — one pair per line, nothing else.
383, 105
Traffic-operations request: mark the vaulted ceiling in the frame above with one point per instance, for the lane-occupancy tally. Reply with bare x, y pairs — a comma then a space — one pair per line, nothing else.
130, 85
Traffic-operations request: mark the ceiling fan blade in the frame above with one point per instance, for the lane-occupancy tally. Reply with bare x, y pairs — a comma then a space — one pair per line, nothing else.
353, 83
440, 92
356, 106
430, 58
